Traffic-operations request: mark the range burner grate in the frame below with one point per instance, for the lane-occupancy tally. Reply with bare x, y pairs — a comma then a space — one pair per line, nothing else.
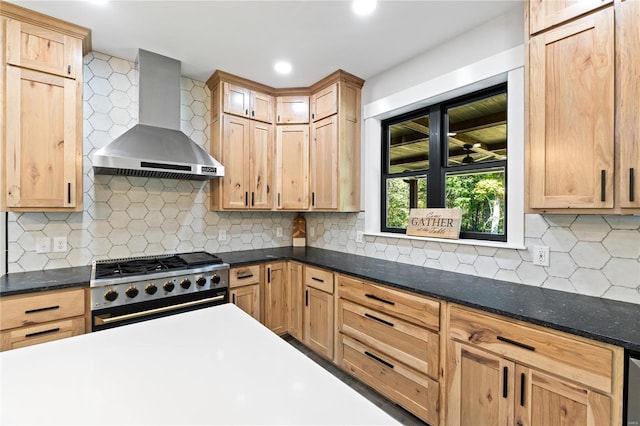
151, 264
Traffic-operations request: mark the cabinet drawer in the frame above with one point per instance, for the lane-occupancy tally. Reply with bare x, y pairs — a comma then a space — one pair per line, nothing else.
18, 311
244, 275
319, 278
26, 336
406, 342
583, 362
416, 309
413, 391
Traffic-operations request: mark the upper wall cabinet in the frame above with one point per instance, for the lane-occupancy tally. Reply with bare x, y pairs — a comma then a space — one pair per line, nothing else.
292, 109
583, 92
42, 142
324, 102
242, 101
544, 14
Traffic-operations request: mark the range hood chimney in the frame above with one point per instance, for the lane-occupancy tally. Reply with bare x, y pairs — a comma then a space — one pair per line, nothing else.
155, 147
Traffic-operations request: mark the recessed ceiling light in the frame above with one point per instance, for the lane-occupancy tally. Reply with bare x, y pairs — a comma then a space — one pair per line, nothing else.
282, 67
364, 7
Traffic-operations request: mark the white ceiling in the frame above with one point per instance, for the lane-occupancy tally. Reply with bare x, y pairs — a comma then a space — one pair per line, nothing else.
245, 38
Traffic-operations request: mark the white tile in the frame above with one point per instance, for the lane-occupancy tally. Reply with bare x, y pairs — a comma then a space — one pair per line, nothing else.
80, 257
100, 228
119, 202
154, 235
590, 282
531, 274
449, 261
119, 82
100, 86
137, 244
507, 275
100, 104
119, 236
119, 219
466, 269
507, 259
559, 239
560, 219
562, 284
623, 272
622, 294
534, 226
100, 121
137, 210
120, 65
15, 251
32, 261
119, 116
185, 233
466, 254
561, 265
391, 253
119, 252
32, 221
590, 228
100, 68
138, 227
28, 240
623, 243
486, 266
154, 202
623, 222
590, 255
170, 226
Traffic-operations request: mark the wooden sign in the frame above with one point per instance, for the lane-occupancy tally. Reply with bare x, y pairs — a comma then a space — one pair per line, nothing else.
437, 223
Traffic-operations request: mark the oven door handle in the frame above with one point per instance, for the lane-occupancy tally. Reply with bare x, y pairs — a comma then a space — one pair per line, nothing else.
100, 320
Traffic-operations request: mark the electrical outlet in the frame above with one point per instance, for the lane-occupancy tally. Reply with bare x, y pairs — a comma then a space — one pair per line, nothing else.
279, 231
43, 245
59, 244
541, 255
359, 236
222, 235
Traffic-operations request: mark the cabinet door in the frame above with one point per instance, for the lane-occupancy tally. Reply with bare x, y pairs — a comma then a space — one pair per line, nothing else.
571, 103
247, 298
261, 147
324, 102
318, 321
292, 110
324, 163
37, 48
42, 148
235, 149
262, 107
544, 14
480, 390
544, 400
628, 79
237, 100
296, 300
292, 167
275, 298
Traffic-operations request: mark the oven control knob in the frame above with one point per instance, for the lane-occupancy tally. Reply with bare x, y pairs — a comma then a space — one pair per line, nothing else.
151, 288
215, 279
131, 292
201, 281
111, 295
186, 283
168, 286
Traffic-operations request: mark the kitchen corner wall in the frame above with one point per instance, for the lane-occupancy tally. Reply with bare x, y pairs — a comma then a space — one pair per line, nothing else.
129, 216
589, 254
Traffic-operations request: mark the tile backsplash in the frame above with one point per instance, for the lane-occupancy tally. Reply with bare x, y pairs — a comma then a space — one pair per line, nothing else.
129, 216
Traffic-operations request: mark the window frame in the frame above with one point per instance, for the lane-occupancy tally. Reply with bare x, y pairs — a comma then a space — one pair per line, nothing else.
438, 159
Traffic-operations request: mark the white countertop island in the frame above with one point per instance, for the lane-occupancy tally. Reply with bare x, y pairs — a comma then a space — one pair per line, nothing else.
211, 366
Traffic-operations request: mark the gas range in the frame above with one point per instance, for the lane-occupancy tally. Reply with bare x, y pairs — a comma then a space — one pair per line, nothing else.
133, 289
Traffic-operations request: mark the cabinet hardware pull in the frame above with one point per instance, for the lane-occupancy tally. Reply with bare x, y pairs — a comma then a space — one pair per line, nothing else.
246, 112
313, 199
313, 116
40, 333
246, 198
233, 298
278, 119
253, 201
242, 277
377, 358
631, 184
603, 185
522, 378
48, 308
269, 275
278, 199
505, 381
513, 342
69, 69
253, 113
379, 299
69, 192
380, 320
317, 279
306, 298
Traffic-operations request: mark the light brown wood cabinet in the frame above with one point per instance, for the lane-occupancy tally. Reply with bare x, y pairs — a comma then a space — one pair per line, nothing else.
581, 150
245, 148
292, 167
501, 372
41, 317
292, 109
390, 340
276, 297
41, 148
244, 289
245, 102
296, 300
318, 333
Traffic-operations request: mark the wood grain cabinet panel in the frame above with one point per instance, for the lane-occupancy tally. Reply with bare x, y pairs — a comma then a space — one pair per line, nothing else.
292, 167
247, 298
544, 14
239, 100
324, 102
275, 297
296, 300
292, 109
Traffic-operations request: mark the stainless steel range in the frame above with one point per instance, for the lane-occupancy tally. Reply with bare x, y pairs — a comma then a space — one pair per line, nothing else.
124, 291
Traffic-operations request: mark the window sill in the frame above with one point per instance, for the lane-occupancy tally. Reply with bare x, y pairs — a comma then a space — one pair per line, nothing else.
466, 242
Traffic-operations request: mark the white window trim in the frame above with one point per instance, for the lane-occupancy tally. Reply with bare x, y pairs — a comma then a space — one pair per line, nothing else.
507, 66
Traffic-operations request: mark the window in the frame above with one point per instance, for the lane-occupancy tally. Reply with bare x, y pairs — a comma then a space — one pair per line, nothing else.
452, 154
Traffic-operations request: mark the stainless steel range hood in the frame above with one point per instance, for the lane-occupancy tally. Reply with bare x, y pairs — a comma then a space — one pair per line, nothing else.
156, 147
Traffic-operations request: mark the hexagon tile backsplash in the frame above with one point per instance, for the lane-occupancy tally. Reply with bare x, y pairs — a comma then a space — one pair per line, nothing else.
125, 216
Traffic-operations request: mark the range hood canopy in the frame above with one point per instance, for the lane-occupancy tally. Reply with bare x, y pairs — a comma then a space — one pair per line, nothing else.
156, 147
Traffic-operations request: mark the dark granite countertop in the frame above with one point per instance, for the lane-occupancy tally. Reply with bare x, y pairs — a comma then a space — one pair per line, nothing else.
600, 319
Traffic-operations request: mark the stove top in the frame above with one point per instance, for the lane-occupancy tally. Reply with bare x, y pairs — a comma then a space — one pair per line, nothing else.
118, 268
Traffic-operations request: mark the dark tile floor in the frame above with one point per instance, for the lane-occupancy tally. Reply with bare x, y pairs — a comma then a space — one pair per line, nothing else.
395, 411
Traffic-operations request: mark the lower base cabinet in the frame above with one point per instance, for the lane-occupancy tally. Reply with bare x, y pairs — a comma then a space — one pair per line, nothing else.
275, 297
318, 313
244, 289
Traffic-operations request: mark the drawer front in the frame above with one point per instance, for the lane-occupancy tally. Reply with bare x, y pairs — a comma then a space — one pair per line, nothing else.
319, 278
19, 311
571, 358
26, 336
416, 309
406, 342
244, 275
413, 391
